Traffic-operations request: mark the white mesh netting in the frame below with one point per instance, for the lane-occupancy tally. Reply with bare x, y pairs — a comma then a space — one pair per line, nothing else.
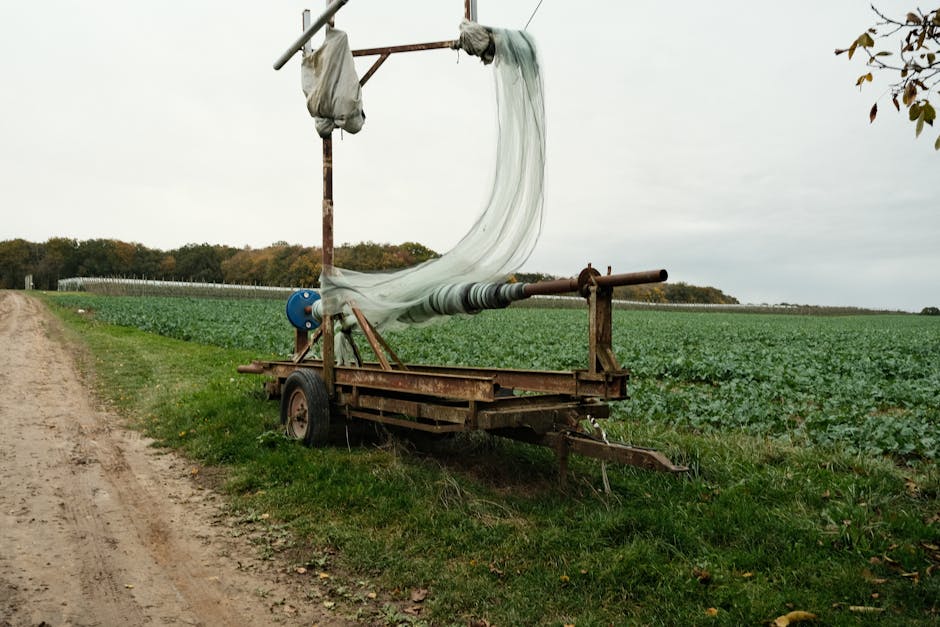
504, 234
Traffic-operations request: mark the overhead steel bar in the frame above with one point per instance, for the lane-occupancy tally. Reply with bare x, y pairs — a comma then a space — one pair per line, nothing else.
434, 45
309, 32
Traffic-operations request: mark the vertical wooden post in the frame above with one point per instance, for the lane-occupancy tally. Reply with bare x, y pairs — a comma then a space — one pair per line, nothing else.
327, 261
602, 310
301, 339
601, 356
329, 360
592, 329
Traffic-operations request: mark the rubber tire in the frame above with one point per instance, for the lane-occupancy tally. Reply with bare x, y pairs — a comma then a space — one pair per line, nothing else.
304, 394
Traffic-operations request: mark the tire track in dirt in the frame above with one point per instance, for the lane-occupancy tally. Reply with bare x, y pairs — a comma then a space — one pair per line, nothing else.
96, 528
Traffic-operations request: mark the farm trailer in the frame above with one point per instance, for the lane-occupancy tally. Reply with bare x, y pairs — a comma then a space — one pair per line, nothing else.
539, 407
547, 408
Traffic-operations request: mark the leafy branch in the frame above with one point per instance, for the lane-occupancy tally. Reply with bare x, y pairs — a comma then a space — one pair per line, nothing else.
918, 44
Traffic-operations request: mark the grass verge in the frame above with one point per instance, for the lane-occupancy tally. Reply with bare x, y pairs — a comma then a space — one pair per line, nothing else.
756, 530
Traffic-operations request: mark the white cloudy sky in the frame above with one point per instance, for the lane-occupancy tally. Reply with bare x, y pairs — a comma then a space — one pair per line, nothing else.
723, 141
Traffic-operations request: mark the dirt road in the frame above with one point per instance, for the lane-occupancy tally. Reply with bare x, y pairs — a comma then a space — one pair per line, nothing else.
96, 528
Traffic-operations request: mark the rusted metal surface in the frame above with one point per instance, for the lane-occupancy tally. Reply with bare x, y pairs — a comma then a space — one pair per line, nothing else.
565, 286
601, 356
369, 332
609, 385
301, 340
537, 416
615, 452
445, 386
387, 404
327, 261
565, 442
632, 278
604, 385
400, 422
302, 352
440, 403
433, 45
441, 399
255, 367
372, 70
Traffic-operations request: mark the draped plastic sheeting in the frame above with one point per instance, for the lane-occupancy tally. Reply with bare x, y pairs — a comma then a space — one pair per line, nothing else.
329, 81
505, 233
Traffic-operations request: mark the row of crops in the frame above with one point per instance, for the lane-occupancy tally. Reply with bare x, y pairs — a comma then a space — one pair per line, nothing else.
869, 383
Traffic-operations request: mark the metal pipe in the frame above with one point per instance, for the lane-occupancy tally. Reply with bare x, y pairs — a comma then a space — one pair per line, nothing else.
563, 286
632, 278
366, 52
375, 66
309, 33
308, 48
463, 298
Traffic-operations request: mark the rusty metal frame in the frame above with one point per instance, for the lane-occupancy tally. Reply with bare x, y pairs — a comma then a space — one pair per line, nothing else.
327, 228
539, 407
442, 399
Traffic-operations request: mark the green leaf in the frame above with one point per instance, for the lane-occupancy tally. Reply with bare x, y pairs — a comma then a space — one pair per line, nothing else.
914, 112
936, 144
883, 53
920, 124
929, 113
852, 48
865, 41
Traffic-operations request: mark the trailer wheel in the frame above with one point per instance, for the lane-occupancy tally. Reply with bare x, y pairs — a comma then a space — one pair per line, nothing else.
305, 407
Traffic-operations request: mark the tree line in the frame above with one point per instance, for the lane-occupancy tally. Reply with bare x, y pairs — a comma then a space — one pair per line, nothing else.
278, 265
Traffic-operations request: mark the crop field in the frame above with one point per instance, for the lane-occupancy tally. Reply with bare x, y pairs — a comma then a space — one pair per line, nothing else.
813, 482
870, 384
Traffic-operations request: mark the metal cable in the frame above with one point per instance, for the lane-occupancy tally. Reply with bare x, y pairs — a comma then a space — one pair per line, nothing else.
533, 15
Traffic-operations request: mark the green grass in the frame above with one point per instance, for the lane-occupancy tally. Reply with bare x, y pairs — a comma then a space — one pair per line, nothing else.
768, 520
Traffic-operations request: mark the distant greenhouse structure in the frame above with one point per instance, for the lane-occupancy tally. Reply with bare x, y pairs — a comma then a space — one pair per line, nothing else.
148, 287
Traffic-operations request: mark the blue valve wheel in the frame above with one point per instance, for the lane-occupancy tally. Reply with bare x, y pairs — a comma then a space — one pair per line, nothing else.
297, 309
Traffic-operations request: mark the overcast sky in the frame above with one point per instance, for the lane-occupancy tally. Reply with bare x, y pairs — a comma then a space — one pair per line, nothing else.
722, 141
